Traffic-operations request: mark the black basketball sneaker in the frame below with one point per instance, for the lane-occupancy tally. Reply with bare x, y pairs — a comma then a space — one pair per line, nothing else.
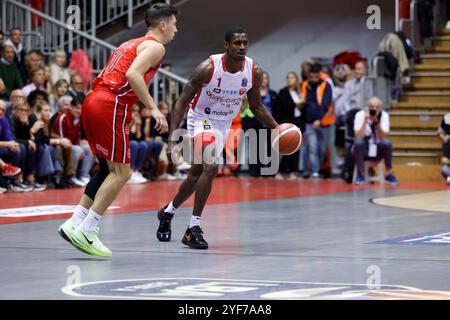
193, 238
164, 232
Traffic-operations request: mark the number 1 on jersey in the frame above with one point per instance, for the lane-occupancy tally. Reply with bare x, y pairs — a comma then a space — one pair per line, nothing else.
219, 81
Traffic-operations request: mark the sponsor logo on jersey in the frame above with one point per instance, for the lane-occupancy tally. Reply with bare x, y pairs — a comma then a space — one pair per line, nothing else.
225, 289
222, 113
224, 101
101, 149
230, 92
244, 82
217, 90
207, 110
242, 91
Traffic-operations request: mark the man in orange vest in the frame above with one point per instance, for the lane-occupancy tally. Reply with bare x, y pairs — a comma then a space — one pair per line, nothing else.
318, 97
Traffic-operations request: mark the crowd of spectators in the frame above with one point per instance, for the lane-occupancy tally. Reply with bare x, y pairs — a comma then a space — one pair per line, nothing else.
42, 143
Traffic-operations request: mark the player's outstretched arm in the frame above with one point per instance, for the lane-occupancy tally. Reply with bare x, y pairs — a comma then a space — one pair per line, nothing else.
149, 54
255, 100
201, 75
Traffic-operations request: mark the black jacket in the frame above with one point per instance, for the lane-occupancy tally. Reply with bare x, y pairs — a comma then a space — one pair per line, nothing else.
285, 109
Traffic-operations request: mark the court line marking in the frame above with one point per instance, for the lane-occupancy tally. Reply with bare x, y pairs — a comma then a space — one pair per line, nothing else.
236, 254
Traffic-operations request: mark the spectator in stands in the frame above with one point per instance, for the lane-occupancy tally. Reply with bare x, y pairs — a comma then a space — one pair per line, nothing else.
60, 89
37, 97
37, 81
138, 146
161, 171
371, 128
250, 122
48, 85
76, 88
10, 151
64, 146
2, 38
22, 120
16, 97
341, 74
269, 99
9, 71
58, 67
2, 89
317, 96
305, 67
289, 110
68, 124
351, 98
15, 40
47, 158
444, 134
154, 147
33, 60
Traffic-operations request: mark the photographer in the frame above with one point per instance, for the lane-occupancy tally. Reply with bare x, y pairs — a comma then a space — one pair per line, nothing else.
371, 128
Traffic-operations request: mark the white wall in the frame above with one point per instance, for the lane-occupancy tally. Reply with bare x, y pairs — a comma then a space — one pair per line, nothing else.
282, 33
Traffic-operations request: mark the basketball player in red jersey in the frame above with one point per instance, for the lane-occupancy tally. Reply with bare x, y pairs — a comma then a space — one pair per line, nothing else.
106, 117
214, 96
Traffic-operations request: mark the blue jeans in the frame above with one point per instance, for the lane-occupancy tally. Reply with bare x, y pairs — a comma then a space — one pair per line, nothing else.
139, 151
154, 149
47, 160
27, 160
10, 157
315, 146
83, 166
445, 171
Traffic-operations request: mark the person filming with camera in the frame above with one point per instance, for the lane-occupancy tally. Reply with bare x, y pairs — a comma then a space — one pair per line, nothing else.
371, 128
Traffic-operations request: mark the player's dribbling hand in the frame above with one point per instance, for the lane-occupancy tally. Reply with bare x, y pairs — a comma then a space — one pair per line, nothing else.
161, 122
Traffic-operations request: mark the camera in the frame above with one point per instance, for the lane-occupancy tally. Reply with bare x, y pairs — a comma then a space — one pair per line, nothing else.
372, 112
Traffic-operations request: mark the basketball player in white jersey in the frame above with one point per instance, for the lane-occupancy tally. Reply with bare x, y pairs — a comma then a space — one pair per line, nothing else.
214, 95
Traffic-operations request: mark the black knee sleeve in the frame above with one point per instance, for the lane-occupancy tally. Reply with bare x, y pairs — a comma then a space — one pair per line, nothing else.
97, 180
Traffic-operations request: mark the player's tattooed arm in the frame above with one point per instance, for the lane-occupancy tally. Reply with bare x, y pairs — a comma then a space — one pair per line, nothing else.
201, 75
255, 100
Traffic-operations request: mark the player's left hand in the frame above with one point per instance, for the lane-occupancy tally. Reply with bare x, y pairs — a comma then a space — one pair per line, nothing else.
161, 122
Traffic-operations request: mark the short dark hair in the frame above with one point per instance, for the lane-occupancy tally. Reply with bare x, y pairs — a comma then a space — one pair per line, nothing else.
34, 51
315, 68
75, 101
2, 33
31, 99
15, 28
159, 11
232, 31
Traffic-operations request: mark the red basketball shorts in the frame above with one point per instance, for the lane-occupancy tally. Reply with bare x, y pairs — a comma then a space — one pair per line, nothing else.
106, 121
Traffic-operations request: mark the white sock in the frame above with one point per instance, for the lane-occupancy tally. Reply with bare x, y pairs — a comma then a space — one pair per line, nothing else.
195, 221
91, 221
79, 215
170, 208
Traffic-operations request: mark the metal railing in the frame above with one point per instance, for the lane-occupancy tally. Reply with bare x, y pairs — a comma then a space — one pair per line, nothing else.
98, 50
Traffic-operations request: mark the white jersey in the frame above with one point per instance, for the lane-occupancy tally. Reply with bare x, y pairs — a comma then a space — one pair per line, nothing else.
221, 98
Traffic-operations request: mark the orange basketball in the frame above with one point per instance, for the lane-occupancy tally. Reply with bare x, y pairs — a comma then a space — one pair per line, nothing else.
286, 138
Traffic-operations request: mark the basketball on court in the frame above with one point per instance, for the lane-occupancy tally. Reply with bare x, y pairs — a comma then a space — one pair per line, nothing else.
286, 138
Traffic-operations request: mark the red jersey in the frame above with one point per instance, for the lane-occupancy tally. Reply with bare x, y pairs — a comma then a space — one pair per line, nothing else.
66, 126
113, 76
